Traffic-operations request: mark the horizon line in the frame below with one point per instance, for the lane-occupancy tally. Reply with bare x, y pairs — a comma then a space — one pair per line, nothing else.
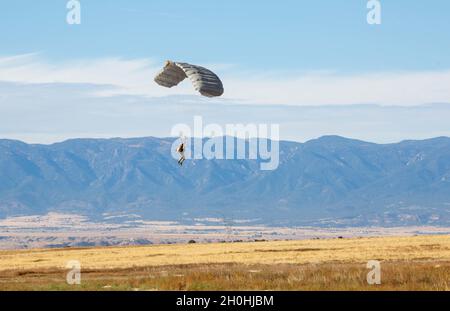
224, 136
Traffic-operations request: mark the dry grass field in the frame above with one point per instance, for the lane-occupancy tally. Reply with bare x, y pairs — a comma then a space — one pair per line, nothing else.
407, 263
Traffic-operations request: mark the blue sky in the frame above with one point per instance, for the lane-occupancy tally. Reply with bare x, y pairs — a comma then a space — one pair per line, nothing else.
288, 35
294, 53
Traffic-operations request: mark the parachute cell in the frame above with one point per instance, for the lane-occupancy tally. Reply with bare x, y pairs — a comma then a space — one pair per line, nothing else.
204, 80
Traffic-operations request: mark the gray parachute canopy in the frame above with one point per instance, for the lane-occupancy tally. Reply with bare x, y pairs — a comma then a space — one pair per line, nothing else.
205, 81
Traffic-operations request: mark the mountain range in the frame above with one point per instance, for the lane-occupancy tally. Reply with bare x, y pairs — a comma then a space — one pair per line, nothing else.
329, 181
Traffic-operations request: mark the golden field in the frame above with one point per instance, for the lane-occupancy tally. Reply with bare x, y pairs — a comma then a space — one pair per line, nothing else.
420, 262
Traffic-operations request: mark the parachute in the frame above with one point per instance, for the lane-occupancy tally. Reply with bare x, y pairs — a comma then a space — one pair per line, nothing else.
204, 80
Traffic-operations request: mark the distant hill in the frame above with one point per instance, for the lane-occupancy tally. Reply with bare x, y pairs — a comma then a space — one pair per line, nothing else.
330, 181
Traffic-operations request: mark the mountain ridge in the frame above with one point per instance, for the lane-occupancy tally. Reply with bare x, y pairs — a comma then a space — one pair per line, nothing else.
329, 180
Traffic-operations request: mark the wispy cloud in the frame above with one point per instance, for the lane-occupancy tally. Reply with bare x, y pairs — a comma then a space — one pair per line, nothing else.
390, 88
135, 77
123, 76
45, 113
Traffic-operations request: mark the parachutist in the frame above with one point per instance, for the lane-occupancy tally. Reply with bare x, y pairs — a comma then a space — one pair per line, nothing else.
180, 150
